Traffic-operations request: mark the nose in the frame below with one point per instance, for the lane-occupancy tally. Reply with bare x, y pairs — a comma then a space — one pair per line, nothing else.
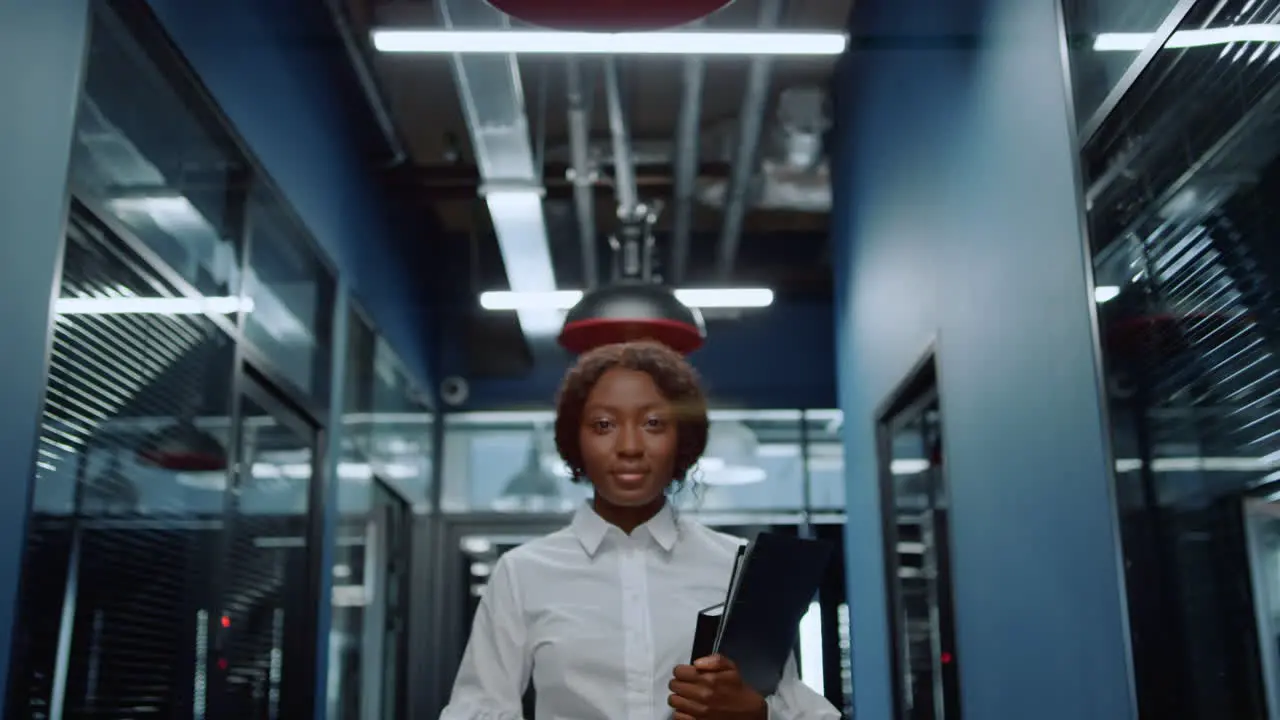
630, 443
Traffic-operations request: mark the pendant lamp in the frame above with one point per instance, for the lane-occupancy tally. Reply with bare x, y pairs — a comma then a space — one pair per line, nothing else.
632, 307
183, 447
608, 15
531, 487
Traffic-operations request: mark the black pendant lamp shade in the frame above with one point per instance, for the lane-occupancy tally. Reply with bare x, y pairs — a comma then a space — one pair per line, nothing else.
630, 310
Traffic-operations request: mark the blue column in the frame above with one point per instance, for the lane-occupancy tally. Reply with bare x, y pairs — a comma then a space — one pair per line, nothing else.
958, 221
42, 54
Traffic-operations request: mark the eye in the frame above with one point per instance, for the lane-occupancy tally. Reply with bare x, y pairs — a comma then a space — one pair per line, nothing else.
655, 423
602, 425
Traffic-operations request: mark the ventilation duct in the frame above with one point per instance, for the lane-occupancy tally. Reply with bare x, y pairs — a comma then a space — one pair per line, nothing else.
795, 174
492, 99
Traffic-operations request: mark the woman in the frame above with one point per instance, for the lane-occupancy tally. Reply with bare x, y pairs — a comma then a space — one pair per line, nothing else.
600, 615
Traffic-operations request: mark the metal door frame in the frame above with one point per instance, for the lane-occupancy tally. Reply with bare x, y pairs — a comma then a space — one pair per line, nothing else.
251, 382
918, 389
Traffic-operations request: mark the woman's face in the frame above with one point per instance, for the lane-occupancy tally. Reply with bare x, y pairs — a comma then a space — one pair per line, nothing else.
628, 438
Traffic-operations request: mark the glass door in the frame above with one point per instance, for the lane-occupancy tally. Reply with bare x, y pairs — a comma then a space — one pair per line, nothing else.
264, 633
915, 508
387, 555
1262, 529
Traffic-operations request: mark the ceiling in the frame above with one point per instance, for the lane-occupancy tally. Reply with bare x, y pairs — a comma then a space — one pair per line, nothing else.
784, 240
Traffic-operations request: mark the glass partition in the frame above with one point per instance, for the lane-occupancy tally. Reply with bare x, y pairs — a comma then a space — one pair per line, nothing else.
146, 153
1180, 185
755, 461
288, 294
384, 472
172, 556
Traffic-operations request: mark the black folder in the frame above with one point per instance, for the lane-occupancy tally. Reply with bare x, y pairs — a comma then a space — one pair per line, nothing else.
774, 579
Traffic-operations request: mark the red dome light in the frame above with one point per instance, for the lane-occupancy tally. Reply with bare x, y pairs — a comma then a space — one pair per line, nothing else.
608, 15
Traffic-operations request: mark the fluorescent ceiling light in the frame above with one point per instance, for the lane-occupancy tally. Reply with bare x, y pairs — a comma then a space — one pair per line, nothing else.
1137, 42
521, 230
560, 300
1103, 293
151, 305
749, 43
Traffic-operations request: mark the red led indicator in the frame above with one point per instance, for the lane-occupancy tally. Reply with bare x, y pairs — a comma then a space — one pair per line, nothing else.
222, 663
226, 621
946, 658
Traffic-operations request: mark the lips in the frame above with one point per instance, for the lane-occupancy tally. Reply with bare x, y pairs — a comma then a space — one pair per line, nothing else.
629, 477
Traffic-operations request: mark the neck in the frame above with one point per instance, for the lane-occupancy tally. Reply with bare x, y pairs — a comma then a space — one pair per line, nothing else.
627, 518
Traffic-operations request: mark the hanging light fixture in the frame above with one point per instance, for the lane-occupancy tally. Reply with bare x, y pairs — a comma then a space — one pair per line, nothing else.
634, 306
608, 15
183, 447
532, 487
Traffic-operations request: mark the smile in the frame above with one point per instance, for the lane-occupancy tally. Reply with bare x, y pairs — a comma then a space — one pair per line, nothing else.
630, 478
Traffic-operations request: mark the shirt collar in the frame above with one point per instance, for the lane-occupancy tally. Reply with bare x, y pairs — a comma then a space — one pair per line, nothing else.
590, 528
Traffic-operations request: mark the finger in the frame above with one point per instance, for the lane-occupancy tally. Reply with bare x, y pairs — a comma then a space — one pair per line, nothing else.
682, 704
694, 691
682, 716
714, 663
721, 677
686, 673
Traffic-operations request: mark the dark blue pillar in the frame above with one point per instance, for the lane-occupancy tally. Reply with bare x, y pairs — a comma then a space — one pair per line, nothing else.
958, 222
42, 53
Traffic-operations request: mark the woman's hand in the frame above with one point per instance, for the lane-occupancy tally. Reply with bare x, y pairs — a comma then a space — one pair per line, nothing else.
712, 689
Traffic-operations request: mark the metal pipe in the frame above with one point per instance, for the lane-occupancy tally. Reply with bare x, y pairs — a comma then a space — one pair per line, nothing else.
624, 170
686, 164
749, 131
368, 81
583, 193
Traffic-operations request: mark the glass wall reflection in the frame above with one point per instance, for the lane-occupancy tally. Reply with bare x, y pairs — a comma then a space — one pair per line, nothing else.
1180, 186
383, 476
755, 461
172, 562
129, 496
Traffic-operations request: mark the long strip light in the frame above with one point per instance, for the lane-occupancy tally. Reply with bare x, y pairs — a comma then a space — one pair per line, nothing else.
503, 42
521, 230
565, 299
152, 305
1138, 41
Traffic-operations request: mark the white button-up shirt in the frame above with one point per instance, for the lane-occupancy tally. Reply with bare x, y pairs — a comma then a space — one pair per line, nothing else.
598, 619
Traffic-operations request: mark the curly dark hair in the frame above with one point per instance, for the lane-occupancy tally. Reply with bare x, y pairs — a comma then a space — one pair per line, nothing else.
676, 380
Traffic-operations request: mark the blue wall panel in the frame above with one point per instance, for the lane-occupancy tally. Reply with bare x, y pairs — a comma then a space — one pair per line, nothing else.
779, 357
958, 220
42, 46
274, 69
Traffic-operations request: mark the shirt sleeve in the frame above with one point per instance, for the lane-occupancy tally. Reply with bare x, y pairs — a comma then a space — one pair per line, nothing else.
496, 665
796, 701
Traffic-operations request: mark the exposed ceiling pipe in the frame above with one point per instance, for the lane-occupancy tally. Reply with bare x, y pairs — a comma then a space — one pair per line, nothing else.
748, 150
624, 168
355, 47
686, 164
583, 192
492, 98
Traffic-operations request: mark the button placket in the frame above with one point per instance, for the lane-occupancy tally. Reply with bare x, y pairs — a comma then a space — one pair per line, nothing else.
635, 619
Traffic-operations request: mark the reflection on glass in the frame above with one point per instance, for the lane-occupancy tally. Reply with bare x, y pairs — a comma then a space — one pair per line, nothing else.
508, 462
386, 461
146, 155
917, 553
400, 429
915, 503
261, 643
1106, 38
1263, 528
291, 291
825, 453
129, 493
1181, 181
